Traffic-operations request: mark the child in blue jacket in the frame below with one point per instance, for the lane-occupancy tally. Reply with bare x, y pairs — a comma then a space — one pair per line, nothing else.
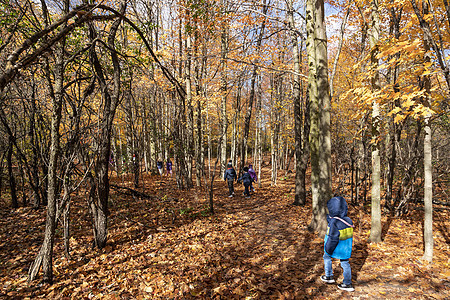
247, 180
230, 176
338, 242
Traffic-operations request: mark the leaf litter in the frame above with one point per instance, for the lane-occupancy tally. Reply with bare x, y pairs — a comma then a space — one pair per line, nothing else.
168, 246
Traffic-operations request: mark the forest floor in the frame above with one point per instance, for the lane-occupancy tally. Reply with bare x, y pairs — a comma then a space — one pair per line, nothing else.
168, 246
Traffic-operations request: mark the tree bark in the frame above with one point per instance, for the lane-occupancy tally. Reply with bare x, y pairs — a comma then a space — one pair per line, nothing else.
301, 146
320, 140
427, 162
45, 255
375, 229
99, 205
251, 100
224, 88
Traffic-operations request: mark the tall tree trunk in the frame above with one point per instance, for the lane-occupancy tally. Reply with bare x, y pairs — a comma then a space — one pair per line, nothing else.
36, 202
428, 193
99, 205
396, 129
320, 139
375, 229
189, 132
300, 144
427, 161
251, 100
45, 256
258, 145
224, 88
336, 59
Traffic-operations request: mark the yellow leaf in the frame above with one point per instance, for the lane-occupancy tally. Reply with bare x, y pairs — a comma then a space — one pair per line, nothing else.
396, 110
399, 118
408, 103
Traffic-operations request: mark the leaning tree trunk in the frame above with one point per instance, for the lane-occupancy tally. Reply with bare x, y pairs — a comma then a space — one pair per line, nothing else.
45, 256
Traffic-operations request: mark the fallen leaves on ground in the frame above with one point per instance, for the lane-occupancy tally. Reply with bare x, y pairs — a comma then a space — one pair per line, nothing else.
170, 247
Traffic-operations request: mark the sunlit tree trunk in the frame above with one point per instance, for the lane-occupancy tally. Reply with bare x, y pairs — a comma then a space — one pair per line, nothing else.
428, 193
336, 59
427, 161
235, 123
375, 229
301, 146
223, 70
258, 145
251, 99
320, 138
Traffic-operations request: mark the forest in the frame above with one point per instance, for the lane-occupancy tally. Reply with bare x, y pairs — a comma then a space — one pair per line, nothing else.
323, 98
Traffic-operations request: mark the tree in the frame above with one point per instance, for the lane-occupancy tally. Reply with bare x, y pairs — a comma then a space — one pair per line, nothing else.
301, 145
375, 229
45, 255
319, 95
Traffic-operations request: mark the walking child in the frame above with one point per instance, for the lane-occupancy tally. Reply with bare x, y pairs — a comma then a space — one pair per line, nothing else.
159, 165
253, 176
247, 180
338, 242
230, 176
169, 167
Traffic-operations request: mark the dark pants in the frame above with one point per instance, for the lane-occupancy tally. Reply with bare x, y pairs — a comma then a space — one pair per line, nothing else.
230, 187
246, 191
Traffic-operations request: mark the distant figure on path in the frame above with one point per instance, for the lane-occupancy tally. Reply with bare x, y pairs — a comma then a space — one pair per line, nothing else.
338, 242
253, 176
230, 176
160, 165
169, 167
247, 180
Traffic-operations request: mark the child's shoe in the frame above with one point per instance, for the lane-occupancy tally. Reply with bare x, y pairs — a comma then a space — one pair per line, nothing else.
346, 287
230, 196
327, 279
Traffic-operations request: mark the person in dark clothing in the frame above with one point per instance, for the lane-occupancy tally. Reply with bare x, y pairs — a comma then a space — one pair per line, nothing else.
159, 165
338, 242
169, 168
247, 180
230, 176
253, 176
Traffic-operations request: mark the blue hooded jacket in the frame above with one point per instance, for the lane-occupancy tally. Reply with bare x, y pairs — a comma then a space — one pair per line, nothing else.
339, 237
230, 173
246, 179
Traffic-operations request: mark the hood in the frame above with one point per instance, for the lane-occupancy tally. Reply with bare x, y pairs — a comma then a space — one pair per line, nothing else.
250, 166
337, 207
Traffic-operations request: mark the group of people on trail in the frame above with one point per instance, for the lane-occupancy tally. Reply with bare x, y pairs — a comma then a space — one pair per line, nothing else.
160, 166
247, 178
